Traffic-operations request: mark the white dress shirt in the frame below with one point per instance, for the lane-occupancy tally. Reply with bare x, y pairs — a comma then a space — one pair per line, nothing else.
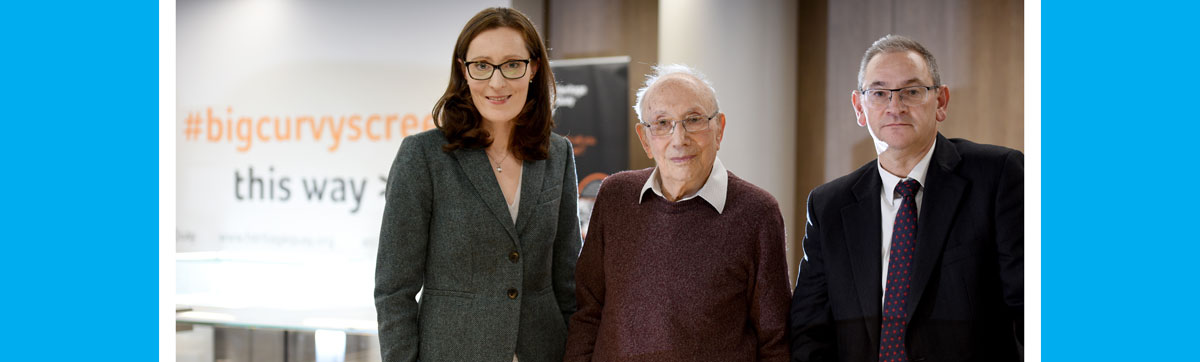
889, 205
713, 191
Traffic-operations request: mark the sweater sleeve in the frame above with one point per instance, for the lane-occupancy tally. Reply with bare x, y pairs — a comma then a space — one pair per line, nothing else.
589, 288
771, 295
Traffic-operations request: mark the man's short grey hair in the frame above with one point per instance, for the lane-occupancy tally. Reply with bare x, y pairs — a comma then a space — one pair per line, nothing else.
895, 44
668, 69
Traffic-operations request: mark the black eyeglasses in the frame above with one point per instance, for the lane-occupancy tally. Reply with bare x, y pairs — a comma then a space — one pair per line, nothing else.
909, 96
513, 69
693, 123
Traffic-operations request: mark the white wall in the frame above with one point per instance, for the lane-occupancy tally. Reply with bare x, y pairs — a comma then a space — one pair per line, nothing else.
748, 51
283, 60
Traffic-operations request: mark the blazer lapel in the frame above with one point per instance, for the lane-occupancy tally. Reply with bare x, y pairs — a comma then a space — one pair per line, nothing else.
943, 192
861, 224
532, 174
475, 165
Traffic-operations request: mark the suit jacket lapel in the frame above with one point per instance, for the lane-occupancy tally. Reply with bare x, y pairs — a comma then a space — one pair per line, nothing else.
475, 165
943, 193
861, 223
532, 174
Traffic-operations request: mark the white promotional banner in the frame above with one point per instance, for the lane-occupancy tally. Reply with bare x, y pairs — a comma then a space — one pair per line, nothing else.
290, 113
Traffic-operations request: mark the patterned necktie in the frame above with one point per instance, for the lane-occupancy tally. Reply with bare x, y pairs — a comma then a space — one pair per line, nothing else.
904, 237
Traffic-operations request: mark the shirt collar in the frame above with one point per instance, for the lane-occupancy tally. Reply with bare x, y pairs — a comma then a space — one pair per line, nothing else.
714, 190
919, 171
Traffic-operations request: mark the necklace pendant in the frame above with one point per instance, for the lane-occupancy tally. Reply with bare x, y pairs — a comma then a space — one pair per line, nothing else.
499, 169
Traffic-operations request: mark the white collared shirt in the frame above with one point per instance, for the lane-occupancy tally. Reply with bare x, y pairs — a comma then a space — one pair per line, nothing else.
889, 205
713, 191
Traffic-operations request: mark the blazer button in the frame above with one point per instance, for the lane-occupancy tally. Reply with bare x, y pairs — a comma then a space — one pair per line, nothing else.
513, 257
512, 293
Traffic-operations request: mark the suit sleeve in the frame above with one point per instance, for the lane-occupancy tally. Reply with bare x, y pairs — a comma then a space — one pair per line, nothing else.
589, 288
769, 305
400, 264
567, 240
1010, 238
810, 321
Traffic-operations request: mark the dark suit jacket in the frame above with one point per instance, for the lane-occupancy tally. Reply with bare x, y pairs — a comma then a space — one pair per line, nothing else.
490, 288
965, 301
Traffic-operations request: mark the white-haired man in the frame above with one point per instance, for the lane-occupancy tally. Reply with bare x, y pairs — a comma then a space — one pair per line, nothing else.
684, 261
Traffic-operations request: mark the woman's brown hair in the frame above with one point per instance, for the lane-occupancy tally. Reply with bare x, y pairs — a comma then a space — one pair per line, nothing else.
455, 114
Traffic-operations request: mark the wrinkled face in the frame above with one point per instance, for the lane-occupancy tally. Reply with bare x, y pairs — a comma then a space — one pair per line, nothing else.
895, 125
499, 99
681, 156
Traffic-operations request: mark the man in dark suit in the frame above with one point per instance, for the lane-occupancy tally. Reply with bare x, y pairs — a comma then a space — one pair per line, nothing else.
919, 255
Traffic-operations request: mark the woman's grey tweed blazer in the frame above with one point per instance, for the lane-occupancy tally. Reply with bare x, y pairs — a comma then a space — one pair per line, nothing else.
490, 288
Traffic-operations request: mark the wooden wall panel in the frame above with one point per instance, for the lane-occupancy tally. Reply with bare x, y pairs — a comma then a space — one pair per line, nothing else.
596, 28
979, 46
811, 97
993, 98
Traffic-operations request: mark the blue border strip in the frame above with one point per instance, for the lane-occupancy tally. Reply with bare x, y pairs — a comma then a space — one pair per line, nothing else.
80, 143
1119, 189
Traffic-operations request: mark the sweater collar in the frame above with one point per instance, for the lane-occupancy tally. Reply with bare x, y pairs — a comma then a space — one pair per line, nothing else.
714, 190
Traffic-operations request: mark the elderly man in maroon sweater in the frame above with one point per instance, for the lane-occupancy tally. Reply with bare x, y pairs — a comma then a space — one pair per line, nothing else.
685, 261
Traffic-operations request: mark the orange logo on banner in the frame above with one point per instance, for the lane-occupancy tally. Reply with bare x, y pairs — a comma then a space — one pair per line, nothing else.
581, 143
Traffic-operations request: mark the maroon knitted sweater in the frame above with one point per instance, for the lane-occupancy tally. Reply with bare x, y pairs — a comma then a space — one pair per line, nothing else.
661, 281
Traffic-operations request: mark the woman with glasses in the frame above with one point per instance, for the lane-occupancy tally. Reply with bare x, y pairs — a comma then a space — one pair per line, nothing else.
481, 220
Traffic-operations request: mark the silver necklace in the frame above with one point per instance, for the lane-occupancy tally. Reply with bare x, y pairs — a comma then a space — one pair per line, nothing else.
499, 165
